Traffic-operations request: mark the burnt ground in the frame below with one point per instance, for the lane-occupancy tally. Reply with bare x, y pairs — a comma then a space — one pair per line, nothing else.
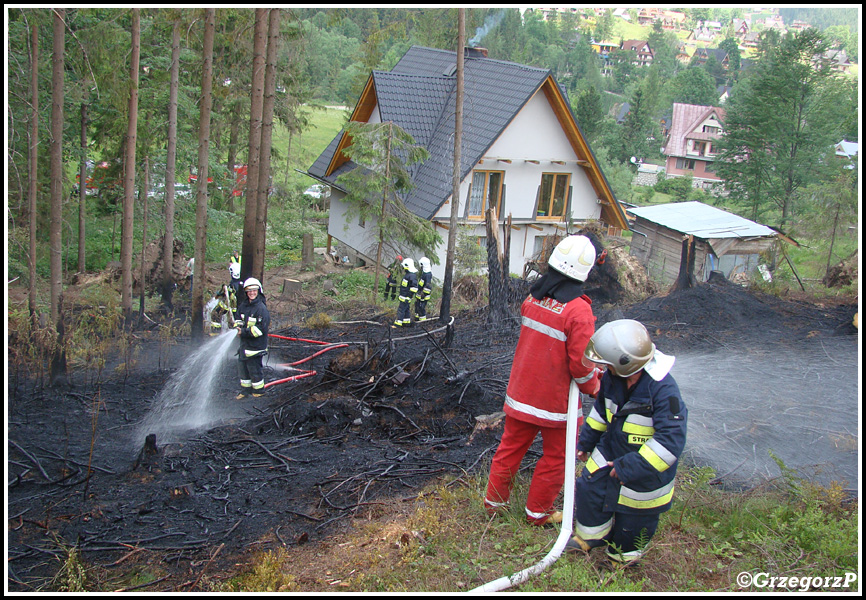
299, 464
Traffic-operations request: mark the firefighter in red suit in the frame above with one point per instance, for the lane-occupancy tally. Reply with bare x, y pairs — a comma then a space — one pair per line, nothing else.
557, 322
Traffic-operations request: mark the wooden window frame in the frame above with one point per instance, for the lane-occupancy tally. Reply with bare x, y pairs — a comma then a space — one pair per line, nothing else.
486, 197
548, 203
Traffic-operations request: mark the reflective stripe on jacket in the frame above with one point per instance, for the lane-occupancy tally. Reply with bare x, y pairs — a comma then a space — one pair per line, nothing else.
549, 355
408, 286
256, 320
643, 432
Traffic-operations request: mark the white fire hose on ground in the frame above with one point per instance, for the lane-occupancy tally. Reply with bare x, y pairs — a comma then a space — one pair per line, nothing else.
502, 583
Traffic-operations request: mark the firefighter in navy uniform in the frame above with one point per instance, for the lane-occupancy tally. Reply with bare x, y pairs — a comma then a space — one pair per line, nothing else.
631, 442
408, 289
227, 297
252, 322
425, 288
395, 275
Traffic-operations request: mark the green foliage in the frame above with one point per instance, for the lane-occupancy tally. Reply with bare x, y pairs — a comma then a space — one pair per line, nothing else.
353, 283
470, 257
694, 86
384, 152
679, 187
785, 121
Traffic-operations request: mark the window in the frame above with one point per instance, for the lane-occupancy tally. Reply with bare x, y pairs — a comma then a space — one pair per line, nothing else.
686, 163
711, 129
553, 195
486, 192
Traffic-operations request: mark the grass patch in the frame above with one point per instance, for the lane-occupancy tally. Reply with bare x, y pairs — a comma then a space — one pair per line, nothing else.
444, 542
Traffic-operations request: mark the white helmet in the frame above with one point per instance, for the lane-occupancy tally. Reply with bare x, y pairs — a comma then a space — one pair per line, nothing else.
425, 264
574, 257
252, 282
409, 265
235, 270
624, 346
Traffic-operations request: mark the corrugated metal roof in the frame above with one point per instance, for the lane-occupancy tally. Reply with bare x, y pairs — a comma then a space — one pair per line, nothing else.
701, 220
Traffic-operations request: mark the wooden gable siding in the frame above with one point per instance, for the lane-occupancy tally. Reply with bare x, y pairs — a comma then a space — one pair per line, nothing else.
362, 113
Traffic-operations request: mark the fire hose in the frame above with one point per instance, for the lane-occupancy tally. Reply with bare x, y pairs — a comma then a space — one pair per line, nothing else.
303, 360
502, 583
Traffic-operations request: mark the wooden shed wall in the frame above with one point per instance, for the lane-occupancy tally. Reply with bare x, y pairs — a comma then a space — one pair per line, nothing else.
660, 250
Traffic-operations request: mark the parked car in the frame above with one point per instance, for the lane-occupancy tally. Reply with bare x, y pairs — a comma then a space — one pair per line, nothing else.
318, 191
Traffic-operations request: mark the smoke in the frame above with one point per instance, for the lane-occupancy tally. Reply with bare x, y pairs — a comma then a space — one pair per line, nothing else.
489, 23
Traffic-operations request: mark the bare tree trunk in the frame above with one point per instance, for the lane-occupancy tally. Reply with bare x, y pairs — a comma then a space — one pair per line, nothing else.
199, 273
447, 284
145, 188
58, 359
265, 151
233, 155
32, 175
171, 159
129, 174
248, 248
82, 191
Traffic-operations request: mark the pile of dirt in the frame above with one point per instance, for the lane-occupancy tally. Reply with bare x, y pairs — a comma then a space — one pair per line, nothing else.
844, 273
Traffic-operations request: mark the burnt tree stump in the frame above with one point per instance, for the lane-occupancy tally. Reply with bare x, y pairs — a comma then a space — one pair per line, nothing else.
686, 277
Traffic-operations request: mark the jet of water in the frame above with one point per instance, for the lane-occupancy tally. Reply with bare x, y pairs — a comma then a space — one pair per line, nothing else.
186, 403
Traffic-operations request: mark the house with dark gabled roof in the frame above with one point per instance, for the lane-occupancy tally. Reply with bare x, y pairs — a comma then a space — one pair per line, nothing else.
523, 153
642, 50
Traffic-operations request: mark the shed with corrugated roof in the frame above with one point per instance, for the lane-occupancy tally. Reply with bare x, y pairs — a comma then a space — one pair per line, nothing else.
723, 241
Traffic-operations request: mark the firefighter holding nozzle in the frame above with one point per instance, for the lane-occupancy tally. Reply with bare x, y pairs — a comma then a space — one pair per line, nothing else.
631, 442
252, 322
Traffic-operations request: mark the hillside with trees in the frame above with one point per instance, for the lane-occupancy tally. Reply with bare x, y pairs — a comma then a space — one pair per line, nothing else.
149, 89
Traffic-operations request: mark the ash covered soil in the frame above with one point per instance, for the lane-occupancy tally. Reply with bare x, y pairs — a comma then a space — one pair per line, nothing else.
367, 432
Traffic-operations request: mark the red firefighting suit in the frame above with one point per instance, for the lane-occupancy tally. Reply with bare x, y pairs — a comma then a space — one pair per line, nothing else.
553, 336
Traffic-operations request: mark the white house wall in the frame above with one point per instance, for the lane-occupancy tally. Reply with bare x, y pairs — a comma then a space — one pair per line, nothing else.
535, 134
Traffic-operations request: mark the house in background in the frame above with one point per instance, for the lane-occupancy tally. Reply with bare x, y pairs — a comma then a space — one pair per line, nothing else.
522, 153
702, 55
847, 153
723, 241
643, 53
689, 147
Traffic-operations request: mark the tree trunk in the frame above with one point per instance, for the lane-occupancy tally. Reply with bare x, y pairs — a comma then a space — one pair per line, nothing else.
58, 354
32, 175
144, 188
382, 215
129, 174
82, 191
233, 155
265, 151
447, 284
248, 248
171, 159
199, 273
686, 277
